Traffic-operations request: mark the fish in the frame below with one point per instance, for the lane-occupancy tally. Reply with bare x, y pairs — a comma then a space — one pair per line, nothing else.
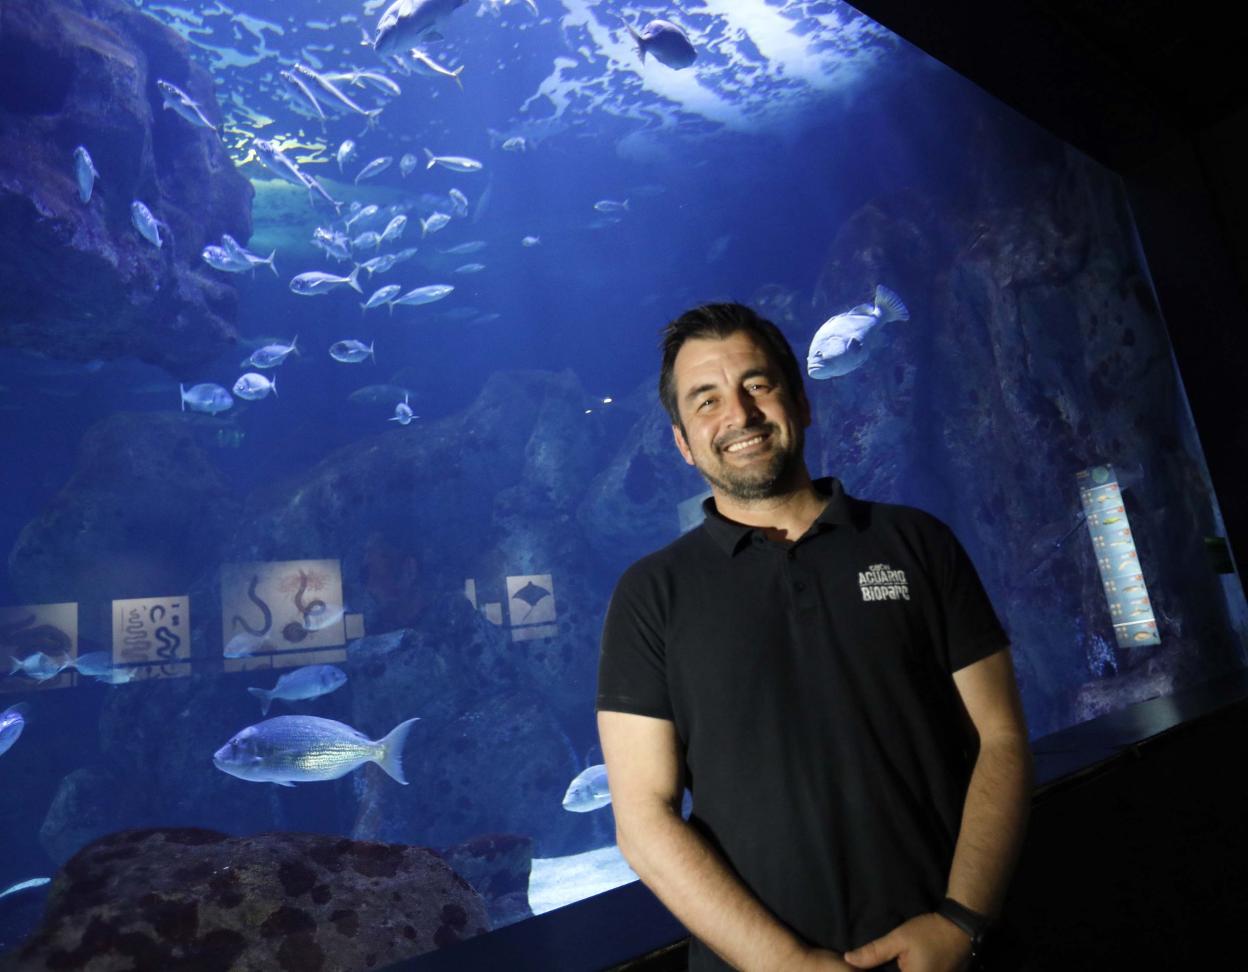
272, 355
84, 173
377, 394
380, 264
516, 143
839, 347
219, 258
233, 248
243, 645
464, 249
668, 43
457, 163
298, 82
316, 282
459, 201
394, 229
375, 167
588, 791
402, 412
319, 620
147, 224
611, 206
182, 104
39, 666
93, 662
351, 351
531, 241
404, 22
470, 268
332, 90
12, 722
345, 153
252, 387
309, 682
367, 213
434, 223
302, 749
205, 397
375, 78
432, 69
26, 885
407, 164
368, 240
425, 295
381, 296
334, 244
272, 157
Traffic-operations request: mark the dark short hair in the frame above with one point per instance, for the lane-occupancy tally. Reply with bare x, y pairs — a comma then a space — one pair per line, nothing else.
721, 321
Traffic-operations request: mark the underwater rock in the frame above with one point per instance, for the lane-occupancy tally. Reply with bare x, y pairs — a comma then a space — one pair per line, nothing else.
79, 282
498, 868
189, 899
144, 511
89, 803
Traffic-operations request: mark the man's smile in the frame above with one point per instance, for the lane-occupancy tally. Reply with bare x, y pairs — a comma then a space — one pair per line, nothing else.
742, 444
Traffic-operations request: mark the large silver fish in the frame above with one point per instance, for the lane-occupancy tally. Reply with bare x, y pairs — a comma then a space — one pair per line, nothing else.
404, 22
12, 722
205, 397
305, 749
840, 344
84, 173
309, 682
177, 99
588, 791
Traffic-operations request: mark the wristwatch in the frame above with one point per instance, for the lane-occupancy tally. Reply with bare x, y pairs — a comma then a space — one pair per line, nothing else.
971, 922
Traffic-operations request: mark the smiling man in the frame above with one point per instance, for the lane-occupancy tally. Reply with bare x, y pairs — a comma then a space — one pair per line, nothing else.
826, 676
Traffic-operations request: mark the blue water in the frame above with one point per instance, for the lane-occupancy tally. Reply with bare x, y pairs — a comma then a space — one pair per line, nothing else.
805, 156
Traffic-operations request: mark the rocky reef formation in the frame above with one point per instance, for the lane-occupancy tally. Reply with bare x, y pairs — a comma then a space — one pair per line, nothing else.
80, 283
184, 898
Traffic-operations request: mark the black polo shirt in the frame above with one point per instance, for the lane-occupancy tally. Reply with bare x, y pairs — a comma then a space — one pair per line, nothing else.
810, 686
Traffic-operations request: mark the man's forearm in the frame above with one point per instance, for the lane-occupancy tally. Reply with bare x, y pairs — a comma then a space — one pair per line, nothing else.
994, 821
695, 883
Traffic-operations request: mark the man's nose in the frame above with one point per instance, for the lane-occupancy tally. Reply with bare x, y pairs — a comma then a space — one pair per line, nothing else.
742, 409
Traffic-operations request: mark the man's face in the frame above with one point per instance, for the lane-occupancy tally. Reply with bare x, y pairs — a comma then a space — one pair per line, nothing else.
742, 430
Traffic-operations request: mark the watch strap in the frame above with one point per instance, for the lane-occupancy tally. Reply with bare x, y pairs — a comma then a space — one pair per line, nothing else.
972, 922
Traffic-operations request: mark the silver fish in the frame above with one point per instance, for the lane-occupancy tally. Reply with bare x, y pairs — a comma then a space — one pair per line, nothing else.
381, 296
374, 78
301, 749
588, 791
434, 223
380, 264
668, 43
243, 645
177, 99
332, 90
309, 682
457, 163
515, 144
463, 249
839, 346
531, 241
252, 387
459, 201
351, 351
367, 213
272, 355
274, 159
394, 229
377, 394
469, 268
375, 167
404, 21
306, 92
430, 68
147, 224
205, 397
315, 282
12, 722
424, 295
402, 413
219, 258
368, 240
84, 173
345, 153
611, 206
407, 164
239, 252
39, 666
334, 244
25, 885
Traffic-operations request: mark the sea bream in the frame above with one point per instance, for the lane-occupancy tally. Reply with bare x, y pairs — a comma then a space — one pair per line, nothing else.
840, 344
147, 224
252, 387
205, 397
182, 103
351, 351
456, 163
589, 791
668, 43
303, 749
403, 23
309, 682
84, 173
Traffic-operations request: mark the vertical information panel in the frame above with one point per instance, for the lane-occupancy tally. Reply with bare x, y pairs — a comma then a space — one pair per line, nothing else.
1116, 558
151, 636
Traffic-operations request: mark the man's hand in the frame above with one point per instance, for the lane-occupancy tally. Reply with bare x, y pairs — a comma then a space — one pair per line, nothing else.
925, 943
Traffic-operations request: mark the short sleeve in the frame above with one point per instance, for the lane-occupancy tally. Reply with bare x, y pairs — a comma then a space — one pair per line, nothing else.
632, 669
972, 629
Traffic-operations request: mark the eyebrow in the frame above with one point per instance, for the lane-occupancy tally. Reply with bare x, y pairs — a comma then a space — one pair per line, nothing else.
758, 372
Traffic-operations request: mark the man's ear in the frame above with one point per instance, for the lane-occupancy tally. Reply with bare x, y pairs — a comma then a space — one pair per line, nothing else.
681, 444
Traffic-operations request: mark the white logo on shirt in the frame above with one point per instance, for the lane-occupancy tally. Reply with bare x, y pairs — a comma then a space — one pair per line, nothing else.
880, 582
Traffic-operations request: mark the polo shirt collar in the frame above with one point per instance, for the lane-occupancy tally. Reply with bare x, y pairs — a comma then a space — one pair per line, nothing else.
730, 536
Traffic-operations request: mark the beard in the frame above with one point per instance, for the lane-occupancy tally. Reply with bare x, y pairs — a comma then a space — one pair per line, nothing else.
768, 476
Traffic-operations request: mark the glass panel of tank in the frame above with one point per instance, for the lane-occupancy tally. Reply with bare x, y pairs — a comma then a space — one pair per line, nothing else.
328, 383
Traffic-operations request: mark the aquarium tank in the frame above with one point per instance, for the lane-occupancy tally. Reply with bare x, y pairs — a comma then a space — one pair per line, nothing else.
328, 366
